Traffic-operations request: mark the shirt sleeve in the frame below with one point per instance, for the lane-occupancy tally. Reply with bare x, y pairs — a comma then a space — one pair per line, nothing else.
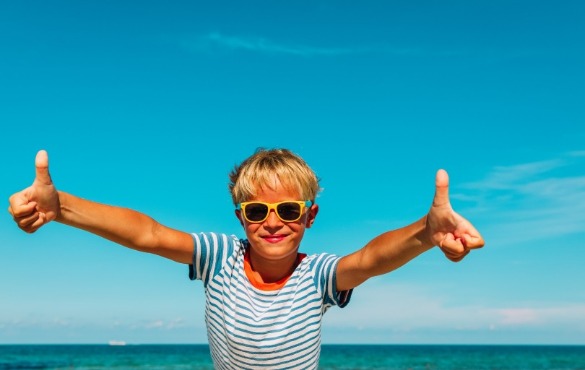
325, 277
210, 253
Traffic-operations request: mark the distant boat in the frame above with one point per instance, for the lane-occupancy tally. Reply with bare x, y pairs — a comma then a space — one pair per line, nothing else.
117, 343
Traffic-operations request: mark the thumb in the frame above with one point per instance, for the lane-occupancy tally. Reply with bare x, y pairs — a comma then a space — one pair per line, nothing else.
42, 168
441, 188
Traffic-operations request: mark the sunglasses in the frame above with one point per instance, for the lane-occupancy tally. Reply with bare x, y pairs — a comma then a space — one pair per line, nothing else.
287, 211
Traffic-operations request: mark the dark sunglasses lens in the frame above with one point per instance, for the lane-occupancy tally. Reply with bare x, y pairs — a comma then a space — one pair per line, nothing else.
289, 211
256, 211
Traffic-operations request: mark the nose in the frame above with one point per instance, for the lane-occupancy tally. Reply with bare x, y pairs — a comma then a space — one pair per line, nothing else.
272, 219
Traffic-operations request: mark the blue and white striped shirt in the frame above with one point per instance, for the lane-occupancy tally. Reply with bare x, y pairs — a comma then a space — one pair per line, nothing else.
249, 328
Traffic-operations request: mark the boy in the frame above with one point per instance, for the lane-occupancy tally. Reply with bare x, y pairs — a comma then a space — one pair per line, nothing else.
264, 299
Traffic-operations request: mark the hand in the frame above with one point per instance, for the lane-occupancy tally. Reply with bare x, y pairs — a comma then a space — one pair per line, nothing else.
452, 233
38, 204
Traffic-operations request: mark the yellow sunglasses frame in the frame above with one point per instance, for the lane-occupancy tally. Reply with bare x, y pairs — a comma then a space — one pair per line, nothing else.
273, 206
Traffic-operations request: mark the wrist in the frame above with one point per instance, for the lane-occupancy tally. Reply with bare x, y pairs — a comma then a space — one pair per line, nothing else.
425, 235
61, 213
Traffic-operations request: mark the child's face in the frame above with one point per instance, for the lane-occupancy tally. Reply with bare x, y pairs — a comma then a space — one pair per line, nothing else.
274, 239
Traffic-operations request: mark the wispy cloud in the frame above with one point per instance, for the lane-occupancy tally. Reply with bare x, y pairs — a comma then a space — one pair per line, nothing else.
509, 177
215, 41
530, 201
218, 42
409, 307
577, 153
161, 324
76, 322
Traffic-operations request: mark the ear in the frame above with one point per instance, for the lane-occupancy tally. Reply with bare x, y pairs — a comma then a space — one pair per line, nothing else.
239, 216
311, 215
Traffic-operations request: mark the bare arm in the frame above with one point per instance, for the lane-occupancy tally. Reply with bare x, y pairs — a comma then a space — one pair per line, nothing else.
441, 226
126, 227
41, 203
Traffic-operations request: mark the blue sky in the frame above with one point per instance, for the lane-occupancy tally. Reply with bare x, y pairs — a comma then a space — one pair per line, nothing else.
150, 104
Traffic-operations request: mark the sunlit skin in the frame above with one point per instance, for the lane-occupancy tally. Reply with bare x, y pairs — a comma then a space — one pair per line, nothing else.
274, 243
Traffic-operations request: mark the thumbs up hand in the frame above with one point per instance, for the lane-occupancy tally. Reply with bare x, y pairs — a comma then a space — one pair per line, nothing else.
38, 204
452, 233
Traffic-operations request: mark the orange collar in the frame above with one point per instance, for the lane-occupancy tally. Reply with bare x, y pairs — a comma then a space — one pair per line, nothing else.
256, 280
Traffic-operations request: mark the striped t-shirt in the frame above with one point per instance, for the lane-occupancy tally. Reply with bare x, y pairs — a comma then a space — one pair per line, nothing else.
249, 328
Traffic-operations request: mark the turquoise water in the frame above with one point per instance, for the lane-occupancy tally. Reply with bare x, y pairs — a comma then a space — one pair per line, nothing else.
341, 357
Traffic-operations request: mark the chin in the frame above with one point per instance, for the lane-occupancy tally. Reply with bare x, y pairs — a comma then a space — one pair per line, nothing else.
275, 250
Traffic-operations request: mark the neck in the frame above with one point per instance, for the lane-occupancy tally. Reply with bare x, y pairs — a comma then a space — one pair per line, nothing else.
272, 271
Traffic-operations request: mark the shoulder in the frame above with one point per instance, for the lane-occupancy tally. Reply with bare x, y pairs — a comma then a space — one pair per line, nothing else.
212, 239
212, 252
321, 263
321, 258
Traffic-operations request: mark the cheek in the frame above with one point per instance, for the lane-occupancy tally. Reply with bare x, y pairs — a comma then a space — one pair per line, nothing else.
250, 226
297, 229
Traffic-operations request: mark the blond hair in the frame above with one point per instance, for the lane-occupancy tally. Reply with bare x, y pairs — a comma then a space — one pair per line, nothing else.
266, 166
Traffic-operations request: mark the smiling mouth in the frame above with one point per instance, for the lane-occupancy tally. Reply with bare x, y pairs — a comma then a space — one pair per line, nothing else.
273, 238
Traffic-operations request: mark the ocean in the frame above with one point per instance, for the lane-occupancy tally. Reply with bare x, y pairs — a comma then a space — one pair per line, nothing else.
340, 357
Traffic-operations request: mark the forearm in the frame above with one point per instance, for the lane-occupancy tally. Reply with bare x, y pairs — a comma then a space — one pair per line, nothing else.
383, 254
395, 248
121, 225
124, 226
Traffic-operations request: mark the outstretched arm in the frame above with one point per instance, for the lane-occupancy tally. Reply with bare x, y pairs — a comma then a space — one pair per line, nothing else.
42, 203
441, 227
